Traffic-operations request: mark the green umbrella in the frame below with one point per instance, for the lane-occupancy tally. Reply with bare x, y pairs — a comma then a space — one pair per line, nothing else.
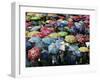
53, 35
35, 18
62, 33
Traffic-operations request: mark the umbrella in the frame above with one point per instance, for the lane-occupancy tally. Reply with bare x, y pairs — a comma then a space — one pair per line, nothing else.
83, 49
53, 35
58, 42
41, 35
28, 45
82, 38
46, 30
35, 28
48, 40
62, 23
39, 44
34, 54
73, 47
35, 18
62, 33
53, 49
70, 39
44, 54
28, 18
30, 34
30, 14
35, 39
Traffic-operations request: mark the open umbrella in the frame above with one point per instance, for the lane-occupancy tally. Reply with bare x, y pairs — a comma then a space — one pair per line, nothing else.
35, 18
70, 39
83, 49
35, 39
34, 54
48, 40
46, 30
35, 28
82, 38
62, 33
30, 34
53, 49
53, 35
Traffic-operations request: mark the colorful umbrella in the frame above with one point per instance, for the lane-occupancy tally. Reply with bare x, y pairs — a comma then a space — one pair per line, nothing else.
34, 54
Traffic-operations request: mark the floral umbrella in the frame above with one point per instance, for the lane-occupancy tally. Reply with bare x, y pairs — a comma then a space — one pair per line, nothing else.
34, 54
82, 38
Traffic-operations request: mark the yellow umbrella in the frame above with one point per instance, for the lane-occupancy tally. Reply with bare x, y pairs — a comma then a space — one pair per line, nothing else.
30, 34
53, 35
70, 39
26, 32
30, 13
83, 49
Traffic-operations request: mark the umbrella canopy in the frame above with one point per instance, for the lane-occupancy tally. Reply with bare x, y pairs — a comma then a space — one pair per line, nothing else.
53, 35
46, 30
35, 39
48, 40
83, 49
34, 54
62, 33
53, 49
35, 18
82, 38
35, 28
70, 39
30, 34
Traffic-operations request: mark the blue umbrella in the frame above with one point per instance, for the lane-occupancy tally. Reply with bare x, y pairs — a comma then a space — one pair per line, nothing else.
48, 41
35, 28
57, 43
35, 39
44, 54
53, 49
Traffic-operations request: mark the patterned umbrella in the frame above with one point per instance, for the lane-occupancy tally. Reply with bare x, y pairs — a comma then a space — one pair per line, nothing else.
34, 54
